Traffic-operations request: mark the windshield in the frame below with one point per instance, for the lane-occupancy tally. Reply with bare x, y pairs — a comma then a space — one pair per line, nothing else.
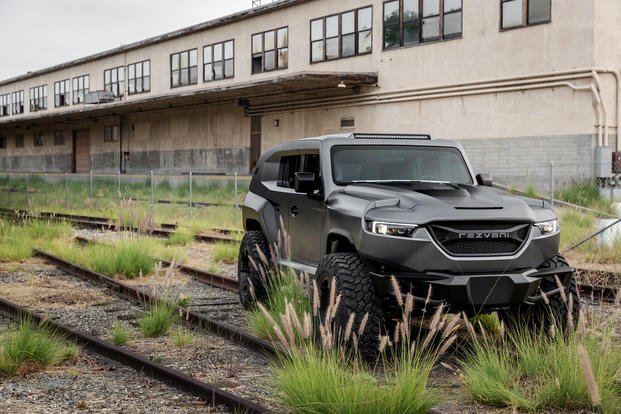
396, 163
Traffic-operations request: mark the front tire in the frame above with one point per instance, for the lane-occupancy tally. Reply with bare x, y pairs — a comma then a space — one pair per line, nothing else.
358, 296
251, 283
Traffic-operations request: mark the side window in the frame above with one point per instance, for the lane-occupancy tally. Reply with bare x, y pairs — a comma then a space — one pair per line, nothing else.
289, 165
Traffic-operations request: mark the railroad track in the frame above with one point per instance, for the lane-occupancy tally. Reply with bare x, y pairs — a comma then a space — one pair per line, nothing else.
165, 230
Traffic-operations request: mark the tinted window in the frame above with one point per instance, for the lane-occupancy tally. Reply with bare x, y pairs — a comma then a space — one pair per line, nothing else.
398, 163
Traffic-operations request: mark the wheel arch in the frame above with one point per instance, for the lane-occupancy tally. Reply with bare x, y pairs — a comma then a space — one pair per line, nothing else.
338, 241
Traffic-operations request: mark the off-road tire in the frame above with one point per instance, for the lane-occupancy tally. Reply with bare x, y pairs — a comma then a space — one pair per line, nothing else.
358, 296
542, 316
252, 242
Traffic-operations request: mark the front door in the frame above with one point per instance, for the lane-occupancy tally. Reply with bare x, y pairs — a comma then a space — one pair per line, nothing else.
81, 151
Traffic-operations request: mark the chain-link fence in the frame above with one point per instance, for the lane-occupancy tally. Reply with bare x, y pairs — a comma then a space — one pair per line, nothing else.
185, 198
589, 212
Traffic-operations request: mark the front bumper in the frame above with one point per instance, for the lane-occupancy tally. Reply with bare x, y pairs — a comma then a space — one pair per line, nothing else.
472, 292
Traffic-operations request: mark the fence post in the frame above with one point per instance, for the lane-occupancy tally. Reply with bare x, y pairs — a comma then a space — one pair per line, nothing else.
552, 183
66, 189
91, 185
235, 206
152, 197
190, 195
45, 189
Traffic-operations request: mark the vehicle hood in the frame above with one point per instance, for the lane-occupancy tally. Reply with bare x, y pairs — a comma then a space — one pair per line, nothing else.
421, 202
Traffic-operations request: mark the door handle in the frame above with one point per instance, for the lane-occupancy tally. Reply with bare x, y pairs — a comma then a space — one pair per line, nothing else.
294, 211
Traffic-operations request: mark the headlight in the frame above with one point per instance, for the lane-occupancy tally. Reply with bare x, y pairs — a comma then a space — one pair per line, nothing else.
391, 229
548, 227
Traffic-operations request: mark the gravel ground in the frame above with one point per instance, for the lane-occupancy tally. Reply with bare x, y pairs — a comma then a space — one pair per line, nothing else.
93, 384
209, 357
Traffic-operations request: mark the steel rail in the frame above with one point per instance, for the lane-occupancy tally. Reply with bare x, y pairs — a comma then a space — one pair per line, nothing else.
206, 391
190, 317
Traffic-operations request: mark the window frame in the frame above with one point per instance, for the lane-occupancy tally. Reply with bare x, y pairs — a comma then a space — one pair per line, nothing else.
14, 102
340, 35
38, 98
120, 83
59, 138
276, 50
525, 22
5, 105
441, 25
142, 77
180, 69
114, 133
223, 60
38, 139
67, 92
75, 92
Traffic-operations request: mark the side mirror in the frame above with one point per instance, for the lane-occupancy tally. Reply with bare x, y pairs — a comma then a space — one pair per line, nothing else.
304, 182
484, 179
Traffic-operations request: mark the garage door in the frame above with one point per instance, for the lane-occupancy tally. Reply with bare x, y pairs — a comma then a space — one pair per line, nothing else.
82, 151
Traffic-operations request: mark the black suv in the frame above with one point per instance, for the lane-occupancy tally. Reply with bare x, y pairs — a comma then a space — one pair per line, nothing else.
361, 208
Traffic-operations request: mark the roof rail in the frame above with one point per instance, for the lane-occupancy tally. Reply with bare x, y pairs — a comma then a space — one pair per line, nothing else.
392, 136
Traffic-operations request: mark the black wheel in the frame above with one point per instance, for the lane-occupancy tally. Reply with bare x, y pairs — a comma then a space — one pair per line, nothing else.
251, 283
358, 296
541, 316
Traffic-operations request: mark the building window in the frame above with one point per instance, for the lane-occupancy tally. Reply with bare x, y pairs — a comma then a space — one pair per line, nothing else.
18, 102
59, 138
111, 133
270, 50
38, 98
37, 139
521, 13
19, 141
342, 35
80, 88
114, 80
4, 105
218, 61
139, 77
409, 22
3, 142
183, 68
61, 93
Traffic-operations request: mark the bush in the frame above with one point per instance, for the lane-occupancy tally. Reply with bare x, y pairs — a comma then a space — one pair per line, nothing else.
30, 347
158, 320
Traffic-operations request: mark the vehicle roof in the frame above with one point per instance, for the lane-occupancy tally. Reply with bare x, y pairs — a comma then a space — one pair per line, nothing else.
348, 138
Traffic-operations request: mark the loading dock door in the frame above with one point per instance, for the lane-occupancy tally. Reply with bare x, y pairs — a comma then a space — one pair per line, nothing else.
81, 151
255, 141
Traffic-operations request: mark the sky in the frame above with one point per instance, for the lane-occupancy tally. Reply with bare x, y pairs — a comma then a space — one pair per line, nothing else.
40, 33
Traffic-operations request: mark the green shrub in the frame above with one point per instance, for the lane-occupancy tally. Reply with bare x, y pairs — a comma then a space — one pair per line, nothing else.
31, 346
158, 320
537, 371
119, 335
224, 252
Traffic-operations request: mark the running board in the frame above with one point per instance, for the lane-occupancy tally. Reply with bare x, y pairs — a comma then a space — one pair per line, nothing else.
298, 267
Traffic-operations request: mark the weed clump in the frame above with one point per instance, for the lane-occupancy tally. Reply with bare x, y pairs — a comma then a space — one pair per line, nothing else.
31, 347
158, 320
225, 252
119, 335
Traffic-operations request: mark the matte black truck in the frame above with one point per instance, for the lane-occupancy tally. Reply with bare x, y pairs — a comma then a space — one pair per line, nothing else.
361, 208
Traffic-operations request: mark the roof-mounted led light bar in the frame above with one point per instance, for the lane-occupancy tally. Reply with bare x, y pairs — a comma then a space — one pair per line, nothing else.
392, 136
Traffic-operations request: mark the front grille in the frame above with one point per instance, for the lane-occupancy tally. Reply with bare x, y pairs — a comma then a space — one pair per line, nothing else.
480, 238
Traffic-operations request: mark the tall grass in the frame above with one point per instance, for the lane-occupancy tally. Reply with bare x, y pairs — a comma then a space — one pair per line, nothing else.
225, 252
119, 335
158, 320
541, 372
124, 258
31, 347
586, 195
18, 240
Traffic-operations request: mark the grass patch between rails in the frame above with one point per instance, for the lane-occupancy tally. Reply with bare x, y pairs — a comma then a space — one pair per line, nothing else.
537, 372
179, 238
31, 347
225, 252
181, 338
158, 320
119, 335
18, 240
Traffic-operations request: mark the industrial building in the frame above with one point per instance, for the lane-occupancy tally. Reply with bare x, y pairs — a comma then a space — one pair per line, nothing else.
518, 82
